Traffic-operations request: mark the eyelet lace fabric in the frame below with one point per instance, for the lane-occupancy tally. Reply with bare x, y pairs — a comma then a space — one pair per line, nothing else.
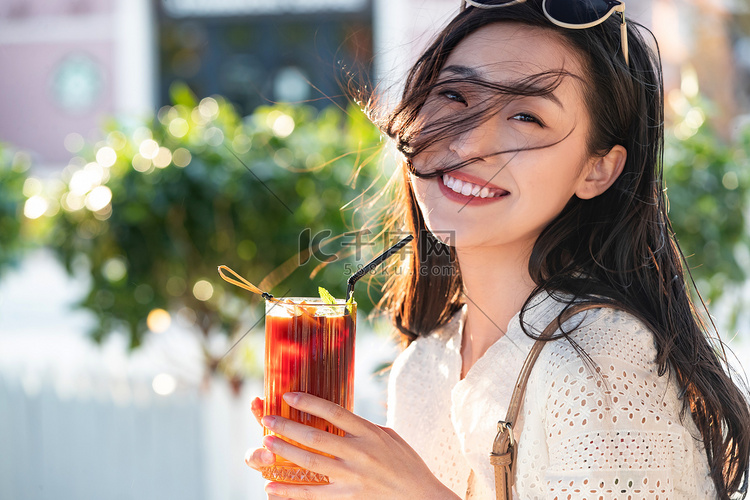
605, 429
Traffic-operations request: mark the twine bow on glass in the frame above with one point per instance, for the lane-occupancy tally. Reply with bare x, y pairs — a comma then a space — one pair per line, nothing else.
243, 283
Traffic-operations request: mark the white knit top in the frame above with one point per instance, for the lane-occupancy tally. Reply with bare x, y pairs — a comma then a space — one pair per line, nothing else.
613, 431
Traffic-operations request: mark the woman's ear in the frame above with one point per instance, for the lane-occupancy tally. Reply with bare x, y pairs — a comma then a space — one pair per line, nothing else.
602, 172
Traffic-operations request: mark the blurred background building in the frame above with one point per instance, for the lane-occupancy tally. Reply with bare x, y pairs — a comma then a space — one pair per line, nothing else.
68, 64
83, 421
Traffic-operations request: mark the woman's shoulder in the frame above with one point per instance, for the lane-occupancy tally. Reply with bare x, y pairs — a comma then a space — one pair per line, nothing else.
607, 362
602, 405
603, 334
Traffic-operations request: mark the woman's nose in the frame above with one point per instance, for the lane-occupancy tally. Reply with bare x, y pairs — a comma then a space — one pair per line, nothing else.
477, 142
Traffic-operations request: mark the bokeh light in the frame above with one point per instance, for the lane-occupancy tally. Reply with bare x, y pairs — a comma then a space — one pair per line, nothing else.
209, 108
186, 317
179, 127
82, 182
32, 187
141, 164
695, 118
106, 157
72, 202
203, 290
730, 181
247, 249
114, 269
281, 124
35, 207
98, 198
74, 142
149, 149
164, 384
214, 136
181, 157
689, 82
117, 140
163, 158
241, 144
141, 134
158, 320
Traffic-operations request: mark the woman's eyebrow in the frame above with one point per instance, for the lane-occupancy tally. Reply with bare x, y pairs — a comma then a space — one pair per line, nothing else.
464, 71
468, 72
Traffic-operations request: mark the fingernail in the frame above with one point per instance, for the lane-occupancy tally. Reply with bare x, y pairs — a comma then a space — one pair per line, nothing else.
268, 421
267, 457
269, 442
291, 397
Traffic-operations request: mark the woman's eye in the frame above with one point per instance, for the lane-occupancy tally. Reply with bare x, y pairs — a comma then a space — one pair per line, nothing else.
526, 117
453, 96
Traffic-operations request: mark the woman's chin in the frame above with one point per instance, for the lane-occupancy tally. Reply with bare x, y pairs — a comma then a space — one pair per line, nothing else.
457, 238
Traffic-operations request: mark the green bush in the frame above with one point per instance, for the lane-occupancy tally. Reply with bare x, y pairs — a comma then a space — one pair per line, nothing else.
707, 187
155, 209
14, 168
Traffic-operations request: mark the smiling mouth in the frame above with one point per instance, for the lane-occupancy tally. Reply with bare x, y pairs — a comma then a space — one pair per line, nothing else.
469, 189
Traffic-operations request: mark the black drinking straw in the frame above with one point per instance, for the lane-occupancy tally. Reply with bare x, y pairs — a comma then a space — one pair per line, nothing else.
376, 262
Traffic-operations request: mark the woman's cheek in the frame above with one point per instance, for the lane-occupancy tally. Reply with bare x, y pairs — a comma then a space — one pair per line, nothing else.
423, 188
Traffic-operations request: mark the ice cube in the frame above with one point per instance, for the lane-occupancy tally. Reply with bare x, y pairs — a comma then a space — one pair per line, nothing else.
285, 309
329, 312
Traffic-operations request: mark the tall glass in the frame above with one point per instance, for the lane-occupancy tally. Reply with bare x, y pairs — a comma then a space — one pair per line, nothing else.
309, 348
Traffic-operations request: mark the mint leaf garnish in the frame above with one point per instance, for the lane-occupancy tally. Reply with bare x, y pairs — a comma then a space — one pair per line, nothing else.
326, 296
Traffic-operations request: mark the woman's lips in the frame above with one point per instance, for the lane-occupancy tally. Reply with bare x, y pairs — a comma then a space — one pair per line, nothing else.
469, 189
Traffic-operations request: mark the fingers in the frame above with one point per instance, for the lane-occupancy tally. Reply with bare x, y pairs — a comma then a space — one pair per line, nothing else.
259, 458
297, 491
307, 436
306, 459
257, 408
333, 413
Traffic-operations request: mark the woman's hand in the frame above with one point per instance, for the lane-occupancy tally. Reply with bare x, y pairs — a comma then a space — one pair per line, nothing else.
260, 457
369, 461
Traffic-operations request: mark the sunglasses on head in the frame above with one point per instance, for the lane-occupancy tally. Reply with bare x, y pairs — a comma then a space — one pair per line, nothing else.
573, 14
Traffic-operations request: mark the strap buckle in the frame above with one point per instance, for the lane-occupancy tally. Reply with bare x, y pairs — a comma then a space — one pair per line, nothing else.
504, 439
503, 426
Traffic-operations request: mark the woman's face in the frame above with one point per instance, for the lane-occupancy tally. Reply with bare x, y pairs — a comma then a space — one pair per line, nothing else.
504, 199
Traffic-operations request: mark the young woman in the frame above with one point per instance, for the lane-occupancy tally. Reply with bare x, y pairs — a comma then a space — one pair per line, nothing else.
532, 151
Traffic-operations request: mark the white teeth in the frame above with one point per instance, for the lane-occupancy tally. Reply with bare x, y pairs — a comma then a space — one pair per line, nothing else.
466, 188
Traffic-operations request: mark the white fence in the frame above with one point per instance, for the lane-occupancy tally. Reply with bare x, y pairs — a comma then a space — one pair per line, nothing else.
96, 449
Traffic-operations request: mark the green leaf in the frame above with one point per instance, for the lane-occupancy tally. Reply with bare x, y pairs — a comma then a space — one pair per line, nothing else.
326, 296
181, 94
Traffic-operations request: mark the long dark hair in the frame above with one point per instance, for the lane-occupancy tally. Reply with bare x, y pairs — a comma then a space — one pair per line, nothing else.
621, 241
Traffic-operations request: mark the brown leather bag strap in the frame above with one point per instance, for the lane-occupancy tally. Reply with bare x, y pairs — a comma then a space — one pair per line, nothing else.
504, 447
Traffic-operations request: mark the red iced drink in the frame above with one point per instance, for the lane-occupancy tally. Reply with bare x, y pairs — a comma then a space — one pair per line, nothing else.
309, 348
